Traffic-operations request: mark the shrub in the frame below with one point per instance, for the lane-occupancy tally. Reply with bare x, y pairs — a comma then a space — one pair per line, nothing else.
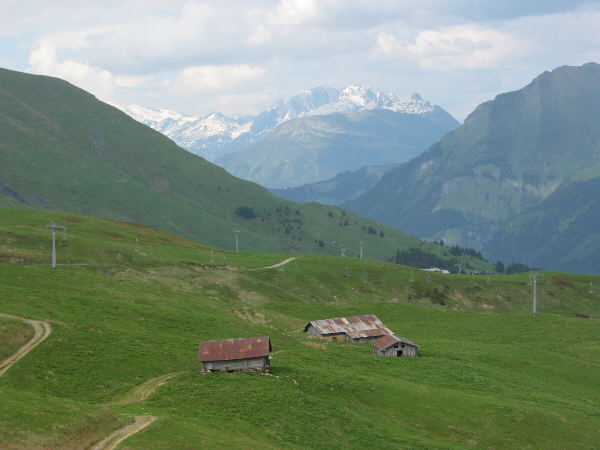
245, 212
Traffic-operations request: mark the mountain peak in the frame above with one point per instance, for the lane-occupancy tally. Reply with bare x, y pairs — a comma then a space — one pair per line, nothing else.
214, 134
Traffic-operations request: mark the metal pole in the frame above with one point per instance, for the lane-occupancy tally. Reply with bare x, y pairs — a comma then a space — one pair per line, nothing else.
54, 227
236, 240
361, 250
535, 294
53, 248
534, 276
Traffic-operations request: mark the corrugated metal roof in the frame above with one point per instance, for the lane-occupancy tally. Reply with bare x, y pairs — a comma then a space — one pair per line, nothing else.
387, 341
228, 349
368, 333
348, 325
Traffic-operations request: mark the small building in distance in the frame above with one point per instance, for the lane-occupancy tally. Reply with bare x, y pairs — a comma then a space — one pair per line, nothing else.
354, 329
236, 355
392, 345
436, 269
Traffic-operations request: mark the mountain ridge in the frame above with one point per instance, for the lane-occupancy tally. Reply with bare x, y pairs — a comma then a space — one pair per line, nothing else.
316, 148
215, 135
509, 155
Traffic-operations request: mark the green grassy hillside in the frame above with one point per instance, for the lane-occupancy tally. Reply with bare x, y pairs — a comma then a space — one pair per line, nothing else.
489, 374
13, 335
339, 189
62, 149
562, 229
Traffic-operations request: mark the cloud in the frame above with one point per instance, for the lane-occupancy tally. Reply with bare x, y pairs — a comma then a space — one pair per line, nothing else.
100, 82
463, 47
240, 104
215, 78
292, 13
191, 55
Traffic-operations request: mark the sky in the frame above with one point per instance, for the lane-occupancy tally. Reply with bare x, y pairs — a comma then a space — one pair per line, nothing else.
239, 57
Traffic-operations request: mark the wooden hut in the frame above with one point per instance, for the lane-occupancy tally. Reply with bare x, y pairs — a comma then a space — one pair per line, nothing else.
354, 329
236, 355
394, 346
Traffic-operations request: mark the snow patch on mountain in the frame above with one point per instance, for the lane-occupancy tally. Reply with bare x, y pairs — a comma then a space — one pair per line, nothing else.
215, 135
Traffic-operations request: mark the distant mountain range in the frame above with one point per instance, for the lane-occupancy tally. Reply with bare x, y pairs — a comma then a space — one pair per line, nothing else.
316, 148
63, 150
518, 180
214, 135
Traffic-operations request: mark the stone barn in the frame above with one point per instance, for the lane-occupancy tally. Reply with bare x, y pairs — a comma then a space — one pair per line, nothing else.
236, 355
354, 329
394, 346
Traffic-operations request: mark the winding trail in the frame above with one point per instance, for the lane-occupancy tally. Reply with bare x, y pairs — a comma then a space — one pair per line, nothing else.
144, 390
137, 395
41, 331
279, 264
118, 436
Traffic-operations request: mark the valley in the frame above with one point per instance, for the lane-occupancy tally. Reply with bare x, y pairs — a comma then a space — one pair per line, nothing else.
64, 150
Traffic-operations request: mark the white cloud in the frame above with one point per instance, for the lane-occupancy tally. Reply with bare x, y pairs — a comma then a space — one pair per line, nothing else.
100, 82
216, 78
460, 47
292, 13
240, 104
191, 55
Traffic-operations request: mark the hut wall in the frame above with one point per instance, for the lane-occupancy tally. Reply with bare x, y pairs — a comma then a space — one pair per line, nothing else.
314, 333
362, 339
251, 364
407, 350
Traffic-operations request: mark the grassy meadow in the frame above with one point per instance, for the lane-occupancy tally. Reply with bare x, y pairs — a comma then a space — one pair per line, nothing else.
124, 312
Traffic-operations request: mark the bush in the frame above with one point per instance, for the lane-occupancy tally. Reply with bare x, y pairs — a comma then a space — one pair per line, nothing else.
500, 267
416, 257
516, 267
245, 212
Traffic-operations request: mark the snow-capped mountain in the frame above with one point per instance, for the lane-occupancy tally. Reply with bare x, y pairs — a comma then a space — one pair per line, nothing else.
215, 135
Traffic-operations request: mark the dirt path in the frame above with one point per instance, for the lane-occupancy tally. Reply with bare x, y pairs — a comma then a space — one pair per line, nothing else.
114, 439
282, 263
137, 395
41, 331
144, 390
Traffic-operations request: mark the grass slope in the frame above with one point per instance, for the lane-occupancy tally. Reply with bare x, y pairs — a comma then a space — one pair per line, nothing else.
490, 374
562, 229
63, 149
343, 187
13, 335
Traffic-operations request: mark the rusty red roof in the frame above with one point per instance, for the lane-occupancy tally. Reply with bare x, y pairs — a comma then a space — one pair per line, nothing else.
356, 324
368, 333
228, 349
387, 341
